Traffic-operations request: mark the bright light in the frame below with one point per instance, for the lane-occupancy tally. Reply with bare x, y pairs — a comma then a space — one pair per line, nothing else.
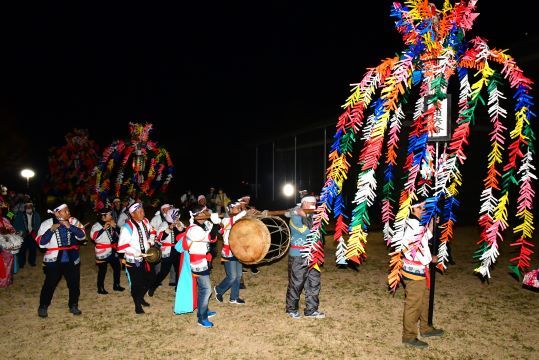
288, 190
27, 173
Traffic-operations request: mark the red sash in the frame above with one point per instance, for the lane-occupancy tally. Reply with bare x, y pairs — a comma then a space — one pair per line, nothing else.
72, 247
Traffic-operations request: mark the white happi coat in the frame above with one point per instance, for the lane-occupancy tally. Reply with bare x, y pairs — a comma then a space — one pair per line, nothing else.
103, 241
198, 249
157, 220
418, 255
165, 238
129, 243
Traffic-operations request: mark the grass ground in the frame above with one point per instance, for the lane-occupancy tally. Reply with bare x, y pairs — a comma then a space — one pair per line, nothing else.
499, 320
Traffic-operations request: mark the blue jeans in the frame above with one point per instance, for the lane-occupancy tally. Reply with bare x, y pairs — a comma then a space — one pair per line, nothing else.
204, 293
232, 279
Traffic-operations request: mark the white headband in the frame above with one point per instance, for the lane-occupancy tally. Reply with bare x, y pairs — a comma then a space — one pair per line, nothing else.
165, 205
56, 209
134, 207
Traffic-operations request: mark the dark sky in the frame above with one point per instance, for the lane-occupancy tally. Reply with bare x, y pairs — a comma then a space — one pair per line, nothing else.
211, 76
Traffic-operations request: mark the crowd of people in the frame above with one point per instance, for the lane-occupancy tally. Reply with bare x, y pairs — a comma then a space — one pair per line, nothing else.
187, 237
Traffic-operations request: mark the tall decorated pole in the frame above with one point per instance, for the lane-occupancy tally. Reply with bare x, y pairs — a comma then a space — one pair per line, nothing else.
71, 166
136, 168
436, 49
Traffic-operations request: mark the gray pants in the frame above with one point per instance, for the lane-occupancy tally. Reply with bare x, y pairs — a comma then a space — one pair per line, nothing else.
300, 276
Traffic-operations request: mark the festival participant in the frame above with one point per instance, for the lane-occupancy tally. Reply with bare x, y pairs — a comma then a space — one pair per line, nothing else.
104, 234
198, 237
232, 266
159, 216
27, 223
300, 276
210, 198
169, 231
156, 222
416, 260
124, 214
60, 236
7, 245
136, 237
221, 201
116, 209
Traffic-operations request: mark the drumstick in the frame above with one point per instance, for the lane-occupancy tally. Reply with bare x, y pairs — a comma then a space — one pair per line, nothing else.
283, 212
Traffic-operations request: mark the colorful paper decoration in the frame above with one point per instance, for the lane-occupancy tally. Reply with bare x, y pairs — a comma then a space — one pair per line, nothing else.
136, 168
71, 167
436, 48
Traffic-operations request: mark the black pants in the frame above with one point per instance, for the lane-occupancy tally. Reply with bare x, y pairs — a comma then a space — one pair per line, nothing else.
102, 271
28, 244
53, 274
213, 252
299, 277
166, 264
141, 280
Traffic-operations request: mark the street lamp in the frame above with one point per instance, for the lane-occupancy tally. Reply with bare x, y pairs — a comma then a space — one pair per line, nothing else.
27, 173
288, 190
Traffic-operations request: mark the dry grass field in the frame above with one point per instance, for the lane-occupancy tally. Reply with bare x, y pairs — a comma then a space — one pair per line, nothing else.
499, 320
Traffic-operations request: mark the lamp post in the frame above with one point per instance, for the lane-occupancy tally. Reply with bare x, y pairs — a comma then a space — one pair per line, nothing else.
27, 173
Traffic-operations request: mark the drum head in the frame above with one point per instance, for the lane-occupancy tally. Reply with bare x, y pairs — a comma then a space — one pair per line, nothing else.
249, 240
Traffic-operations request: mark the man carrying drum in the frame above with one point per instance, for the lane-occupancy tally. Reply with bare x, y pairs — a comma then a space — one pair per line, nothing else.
299, 274
232, 265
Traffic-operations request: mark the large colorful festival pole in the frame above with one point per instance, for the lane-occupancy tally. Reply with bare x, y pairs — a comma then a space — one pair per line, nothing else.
136, 168
436, 49
71, 167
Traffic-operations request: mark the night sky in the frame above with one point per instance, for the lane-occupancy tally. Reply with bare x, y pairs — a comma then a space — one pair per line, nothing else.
213, 78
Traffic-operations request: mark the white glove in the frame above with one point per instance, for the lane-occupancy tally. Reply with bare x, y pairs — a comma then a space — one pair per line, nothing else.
214, 217
208, 225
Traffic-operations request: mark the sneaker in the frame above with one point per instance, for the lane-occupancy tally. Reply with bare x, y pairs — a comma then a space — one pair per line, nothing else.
218, 296
416, 343
255, 271
317, 315
211, 314
237, 301
294, 314
42, 312
433, 332
205, 323
118, 288
75, 310
102, 291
